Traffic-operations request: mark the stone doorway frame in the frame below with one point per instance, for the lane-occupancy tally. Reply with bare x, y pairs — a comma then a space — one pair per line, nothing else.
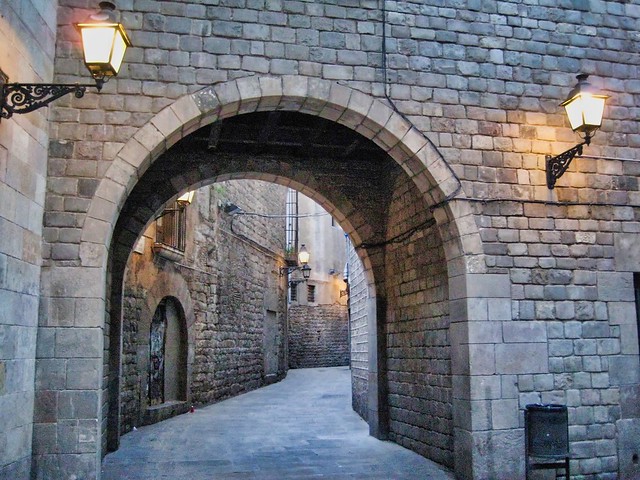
368, 116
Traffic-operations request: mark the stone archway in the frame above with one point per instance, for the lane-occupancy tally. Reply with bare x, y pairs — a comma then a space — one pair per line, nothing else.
366, 115
166, 287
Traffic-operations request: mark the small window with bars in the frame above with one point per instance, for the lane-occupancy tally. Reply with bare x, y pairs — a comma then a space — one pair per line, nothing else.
311, 293
171, 227
293, 292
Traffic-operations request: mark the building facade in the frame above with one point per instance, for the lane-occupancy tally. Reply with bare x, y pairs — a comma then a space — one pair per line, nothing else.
422, 128
204, 314
318, 316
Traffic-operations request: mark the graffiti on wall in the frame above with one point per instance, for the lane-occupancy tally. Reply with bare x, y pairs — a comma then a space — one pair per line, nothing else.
156, 360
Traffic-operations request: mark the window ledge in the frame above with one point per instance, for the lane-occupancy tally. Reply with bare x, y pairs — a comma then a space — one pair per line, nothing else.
165, 251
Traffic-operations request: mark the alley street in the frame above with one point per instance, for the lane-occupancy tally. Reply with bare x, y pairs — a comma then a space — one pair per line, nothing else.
300, 428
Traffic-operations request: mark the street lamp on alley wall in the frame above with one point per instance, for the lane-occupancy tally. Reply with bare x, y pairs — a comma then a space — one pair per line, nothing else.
584, 107
303, 264
104, 43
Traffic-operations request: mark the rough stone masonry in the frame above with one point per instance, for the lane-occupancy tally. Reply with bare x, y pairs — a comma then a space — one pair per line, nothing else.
483, 292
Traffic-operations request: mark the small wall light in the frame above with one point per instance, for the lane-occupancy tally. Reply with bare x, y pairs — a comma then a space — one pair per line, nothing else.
303, 264
104, 43
584, 107
185, 199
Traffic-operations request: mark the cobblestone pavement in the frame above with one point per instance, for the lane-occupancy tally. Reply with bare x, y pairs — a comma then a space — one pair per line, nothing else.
300, 428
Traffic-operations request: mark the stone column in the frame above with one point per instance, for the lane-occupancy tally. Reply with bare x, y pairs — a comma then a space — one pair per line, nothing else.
69, 366
488, 348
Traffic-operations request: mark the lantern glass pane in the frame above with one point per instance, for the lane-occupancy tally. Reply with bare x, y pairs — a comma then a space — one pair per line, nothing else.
119, 47
593, 110
97, 43
574, 111
585, 111
186, 198
303, 256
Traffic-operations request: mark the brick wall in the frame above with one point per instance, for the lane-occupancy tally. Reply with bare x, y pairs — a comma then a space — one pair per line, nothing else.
232, 278
318, 336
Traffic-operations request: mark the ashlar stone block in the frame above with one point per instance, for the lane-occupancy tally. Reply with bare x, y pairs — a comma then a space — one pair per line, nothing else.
521, 358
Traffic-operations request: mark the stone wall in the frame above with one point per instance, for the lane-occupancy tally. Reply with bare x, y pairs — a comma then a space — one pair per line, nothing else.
28, 47
318, 336
482, 81
417, 340
232, 277
358, 302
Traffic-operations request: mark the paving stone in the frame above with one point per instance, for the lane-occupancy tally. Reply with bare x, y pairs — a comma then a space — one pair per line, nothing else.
302, 427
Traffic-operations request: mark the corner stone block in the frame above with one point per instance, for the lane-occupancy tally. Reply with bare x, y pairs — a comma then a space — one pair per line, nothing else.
93, 255
79, 343
615, 286
627, 252
524, 332
67, 466
624, 370
485, 332
628, 448
499, 309
482, 359
484, 285
522, 358
622, 313
498, 454
78, 404
84, 373
76, 282
505, 414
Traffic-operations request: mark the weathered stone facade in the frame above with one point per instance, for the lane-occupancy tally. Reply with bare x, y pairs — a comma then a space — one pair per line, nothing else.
359, 333
28, 46
227, 281
539, 293
318, 336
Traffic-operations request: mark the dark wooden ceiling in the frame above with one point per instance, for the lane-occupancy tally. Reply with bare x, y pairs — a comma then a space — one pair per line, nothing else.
291, 134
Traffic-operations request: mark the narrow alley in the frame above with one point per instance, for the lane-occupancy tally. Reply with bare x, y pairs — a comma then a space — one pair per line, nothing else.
300, 428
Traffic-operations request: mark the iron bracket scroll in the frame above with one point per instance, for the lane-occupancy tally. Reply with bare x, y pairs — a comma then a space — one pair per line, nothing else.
27, 97
556, 166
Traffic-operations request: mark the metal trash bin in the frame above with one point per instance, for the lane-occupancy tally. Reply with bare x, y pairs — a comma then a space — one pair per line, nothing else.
546, 428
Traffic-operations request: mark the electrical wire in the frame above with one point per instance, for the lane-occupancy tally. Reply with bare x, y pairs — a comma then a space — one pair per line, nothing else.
395, 107
274, 215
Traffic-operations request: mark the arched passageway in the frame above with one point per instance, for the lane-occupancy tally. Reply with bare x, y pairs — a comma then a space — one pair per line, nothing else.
386, 185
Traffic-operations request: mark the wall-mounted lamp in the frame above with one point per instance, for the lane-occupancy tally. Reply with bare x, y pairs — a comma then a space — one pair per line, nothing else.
303, 264
104, 42
231, 208
584, 107
185, 199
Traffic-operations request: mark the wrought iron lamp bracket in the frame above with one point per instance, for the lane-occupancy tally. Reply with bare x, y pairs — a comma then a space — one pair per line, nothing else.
556, 166
27, 97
